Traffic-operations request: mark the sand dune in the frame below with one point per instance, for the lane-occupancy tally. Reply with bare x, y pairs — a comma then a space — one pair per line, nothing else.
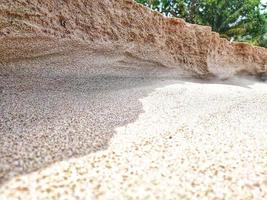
32, 28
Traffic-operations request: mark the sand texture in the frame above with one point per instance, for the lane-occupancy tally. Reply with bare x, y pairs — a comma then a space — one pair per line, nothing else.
103, 100
126, 26
158, 138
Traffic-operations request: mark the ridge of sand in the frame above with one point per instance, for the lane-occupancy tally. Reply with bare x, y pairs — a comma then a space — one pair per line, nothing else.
123, 25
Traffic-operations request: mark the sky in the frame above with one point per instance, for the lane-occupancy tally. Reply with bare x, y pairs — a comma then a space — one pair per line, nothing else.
265, 2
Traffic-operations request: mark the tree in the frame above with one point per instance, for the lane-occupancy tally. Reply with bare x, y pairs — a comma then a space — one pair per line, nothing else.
242, 20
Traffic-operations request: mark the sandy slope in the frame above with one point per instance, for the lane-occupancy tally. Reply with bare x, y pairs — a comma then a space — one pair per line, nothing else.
94, 104
161, 137
126, 26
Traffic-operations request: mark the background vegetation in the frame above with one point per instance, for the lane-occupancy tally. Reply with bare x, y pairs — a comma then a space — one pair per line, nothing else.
238, 20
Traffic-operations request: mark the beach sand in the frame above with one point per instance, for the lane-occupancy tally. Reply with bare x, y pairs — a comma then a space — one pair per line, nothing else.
114, 131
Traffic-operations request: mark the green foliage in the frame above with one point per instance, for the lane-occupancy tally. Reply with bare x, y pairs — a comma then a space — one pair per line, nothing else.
242, 20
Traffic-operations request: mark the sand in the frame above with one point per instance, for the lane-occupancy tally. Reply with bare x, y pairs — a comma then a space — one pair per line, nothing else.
129, 133
98, 101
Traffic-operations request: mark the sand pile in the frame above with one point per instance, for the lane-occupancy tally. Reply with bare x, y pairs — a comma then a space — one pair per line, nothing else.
126, 26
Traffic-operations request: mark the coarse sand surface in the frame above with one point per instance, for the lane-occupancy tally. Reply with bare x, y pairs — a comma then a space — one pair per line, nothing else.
130, 136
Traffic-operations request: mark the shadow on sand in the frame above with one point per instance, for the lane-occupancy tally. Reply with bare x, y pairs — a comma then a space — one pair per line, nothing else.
47, 119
